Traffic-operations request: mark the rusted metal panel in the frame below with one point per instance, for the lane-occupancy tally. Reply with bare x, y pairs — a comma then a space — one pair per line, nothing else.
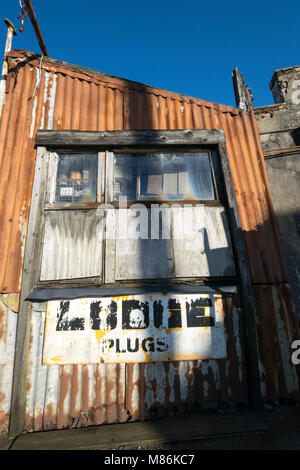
8, 324
29, 105
160, 389
138, 328
66, 396
277, 328
70, 395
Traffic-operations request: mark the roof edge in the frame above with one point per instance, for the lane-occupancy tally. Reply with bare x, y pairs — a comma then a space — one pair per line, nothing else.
117, 81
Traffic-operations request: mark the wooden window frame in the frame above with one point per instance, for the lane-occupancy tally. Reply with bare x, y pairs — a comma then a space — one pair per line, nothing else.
148, 200
106, 144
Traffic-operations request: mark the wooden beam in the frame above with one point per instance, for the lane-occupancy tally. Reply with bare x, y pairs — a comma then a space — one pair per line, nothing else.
30, 277
247, 298
241, 91
113, 139
36, 27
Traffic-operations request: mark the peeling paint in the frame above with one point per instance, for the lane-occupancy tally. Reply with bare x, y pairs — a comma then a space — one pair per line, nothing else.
79, 331
54, 393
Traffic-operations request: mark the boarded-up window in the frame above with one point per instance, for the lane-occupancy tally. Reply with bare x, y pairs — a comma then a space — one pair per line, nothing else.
173, 224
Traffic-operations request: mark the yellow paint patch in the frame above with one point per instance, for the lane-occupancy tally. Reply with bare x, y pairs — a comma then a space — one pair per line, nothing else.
100, 333
168, 330
55, 359
147, 357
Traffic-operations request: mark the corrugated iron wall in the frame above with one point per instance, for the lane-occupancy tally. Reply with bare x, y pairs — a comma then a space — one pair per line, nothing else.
79, 395
63, 98
52, 95
8, 323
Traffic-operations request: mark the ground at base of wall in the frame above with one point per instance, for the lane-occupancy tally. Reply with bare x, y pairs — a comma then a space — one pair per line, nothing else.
282, 433
273, 428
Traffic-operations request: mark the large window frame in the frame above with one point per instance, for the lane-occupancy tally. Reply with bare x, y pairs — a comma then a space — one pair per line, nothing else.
106, 177
105, 144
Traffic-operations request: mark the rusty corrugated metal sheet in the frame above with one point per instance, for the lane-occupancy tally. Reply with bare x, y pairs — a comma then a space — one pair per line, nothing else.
277, 328
8, 324
29, 99
66, 98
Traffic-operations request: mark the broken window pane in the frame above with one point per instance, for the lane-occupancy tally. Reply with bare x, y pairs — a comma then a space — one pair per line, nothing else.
76, 179
165, 176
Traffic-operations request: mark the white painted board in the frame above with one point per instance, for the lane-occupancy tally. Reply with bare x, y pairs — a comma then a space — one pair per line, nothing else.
140, 328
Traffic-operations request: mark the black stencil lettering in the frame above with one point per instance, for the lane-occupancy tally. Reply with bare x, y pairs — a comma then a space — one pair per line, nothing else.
111, 319
162, 344
196, 313
136, 346
66, 324
175, 314
135, 315
118, 350
107, 344
112, 315
158, 313
95, 309
148, 344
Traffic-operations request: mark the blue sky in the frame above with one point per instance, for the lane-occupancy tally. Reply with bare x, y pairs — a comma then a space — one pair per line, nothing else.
190, 47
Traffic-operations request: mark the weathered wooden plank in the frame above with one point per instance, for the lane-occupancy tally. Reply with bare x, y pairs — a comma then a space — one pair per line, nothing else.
51, 183
137, 255
242, 96
191, 242
101, 177
29, 279
202, 244
111, 139
243, 268
109, 185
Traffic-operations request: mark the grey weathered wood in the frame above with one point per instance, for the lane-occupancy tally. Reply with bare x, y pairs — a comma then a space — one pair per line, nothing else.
58, 206
142, 257
242, 262
101, 177
202, 242
109, 177
51, 183
30, 277
241, 92
112, 139
195, 242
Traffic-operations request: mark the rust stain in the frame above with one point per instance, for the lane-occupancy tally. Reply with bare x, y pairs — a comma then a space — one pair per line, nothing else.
64, 381
85, 392
108, 103
49, 419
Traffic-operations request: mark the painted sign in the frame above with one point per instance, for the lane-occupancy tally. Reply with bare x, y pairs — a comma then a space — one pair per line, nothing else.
140, 328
